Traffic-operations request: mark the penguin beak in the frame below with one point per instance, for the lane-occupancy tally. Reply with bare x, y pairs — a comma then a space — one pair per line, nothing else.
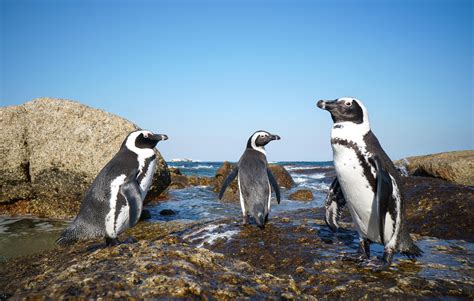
274, 137
327, 105
158, 137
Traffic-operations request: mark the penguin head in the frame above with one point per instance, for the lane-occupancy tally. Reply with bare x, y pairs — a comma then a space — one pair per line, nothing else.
259, 139
141, 140
345, 109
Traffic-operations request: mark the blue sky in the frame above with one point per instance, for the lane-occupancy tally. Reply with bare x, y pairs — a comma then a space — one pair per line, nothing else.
209, 73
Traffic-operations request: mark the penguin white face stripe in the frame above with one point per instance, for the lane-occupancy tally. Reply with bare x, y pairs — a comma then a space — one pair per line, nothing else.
254, 145
110, 223
349, 130
142, 153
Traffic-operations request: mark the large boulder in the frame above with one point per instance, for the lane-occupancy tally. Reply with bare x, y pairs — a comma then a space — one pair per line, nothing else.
456, 167
51, 151
282, 176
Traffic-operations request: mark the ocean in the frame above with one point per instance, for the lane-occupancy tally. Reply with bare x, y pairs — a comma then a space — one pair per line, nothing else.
196, 203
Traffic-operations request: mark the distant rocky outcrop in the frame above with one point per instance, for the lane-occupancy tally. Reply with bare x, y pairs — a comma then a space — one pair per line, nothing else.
51, 151
456, 167
180, 181
282, 176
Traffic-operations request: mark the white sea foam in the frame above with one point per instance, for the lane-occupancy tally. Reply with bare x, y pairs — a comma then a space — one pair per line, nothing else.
209, 235
195, 167
292, 167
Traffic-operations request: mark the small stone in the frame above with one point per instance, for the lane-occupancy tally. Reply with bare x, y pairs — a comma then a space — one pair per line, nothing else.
301, 195
167, 212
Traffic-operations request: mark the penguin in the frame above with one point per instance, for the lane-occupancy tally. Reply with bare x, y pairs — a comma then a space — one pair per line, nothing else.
367, 183
254, 179
114, 201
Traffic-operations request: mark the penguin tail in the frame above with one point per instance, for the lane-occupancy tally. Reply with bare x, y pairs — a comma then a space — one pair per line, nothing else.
69, 236
412, 251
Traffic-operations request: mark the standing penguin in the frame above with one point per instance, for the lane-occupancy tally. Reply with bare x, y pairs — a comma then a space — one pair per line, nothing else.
114, 201
254, 179
367, 181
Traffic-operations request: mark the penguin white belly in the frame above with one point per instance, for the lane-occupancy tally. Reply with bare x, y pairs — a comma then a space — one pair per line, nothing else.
357, 192
116, 223
145, 183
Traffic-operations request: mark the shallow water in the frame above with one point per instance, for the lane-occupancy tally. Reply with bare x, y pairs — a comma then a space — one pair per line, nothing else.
24, 236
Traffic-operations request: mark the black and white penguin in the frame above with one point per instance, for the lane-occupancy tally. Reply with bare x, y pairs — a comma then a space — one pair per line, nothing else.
114, 201
254, 179
367, 182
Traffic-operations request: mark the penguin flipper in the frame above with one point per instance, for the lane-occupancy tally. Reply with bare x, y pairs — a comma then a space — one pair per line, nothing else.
274, 183
132, 194
228, 180
335, 203
383, 195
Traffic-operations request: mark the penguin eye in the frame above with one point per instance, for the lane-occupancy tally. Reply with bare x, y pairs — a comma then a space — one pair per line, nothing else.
348, 104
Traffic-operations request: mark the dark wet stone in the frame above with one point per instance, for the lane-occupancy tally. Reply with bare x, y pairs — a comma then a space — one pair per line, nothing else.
145, 214
167, 212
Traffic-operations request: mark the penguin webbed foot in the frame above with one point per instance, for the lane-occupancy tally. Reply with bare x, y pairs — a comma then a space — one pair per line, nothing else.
352, 257
363, 253
379, 264
110, 242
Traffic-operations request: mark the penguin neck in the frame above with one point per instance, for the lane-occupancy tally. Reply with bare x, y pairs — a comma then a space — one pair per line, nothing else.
350, 131
260, 149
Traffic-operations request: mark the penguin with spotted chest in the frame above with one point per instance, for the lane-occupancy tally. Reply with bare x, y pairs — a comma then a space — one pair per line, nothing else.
114, 201
255, 180
366, 182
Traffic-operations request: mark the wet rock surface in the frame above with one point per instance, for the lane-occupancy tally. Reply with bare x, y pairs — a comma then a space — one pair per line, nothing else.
456, 167
438, 208
295, 256
52, 150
